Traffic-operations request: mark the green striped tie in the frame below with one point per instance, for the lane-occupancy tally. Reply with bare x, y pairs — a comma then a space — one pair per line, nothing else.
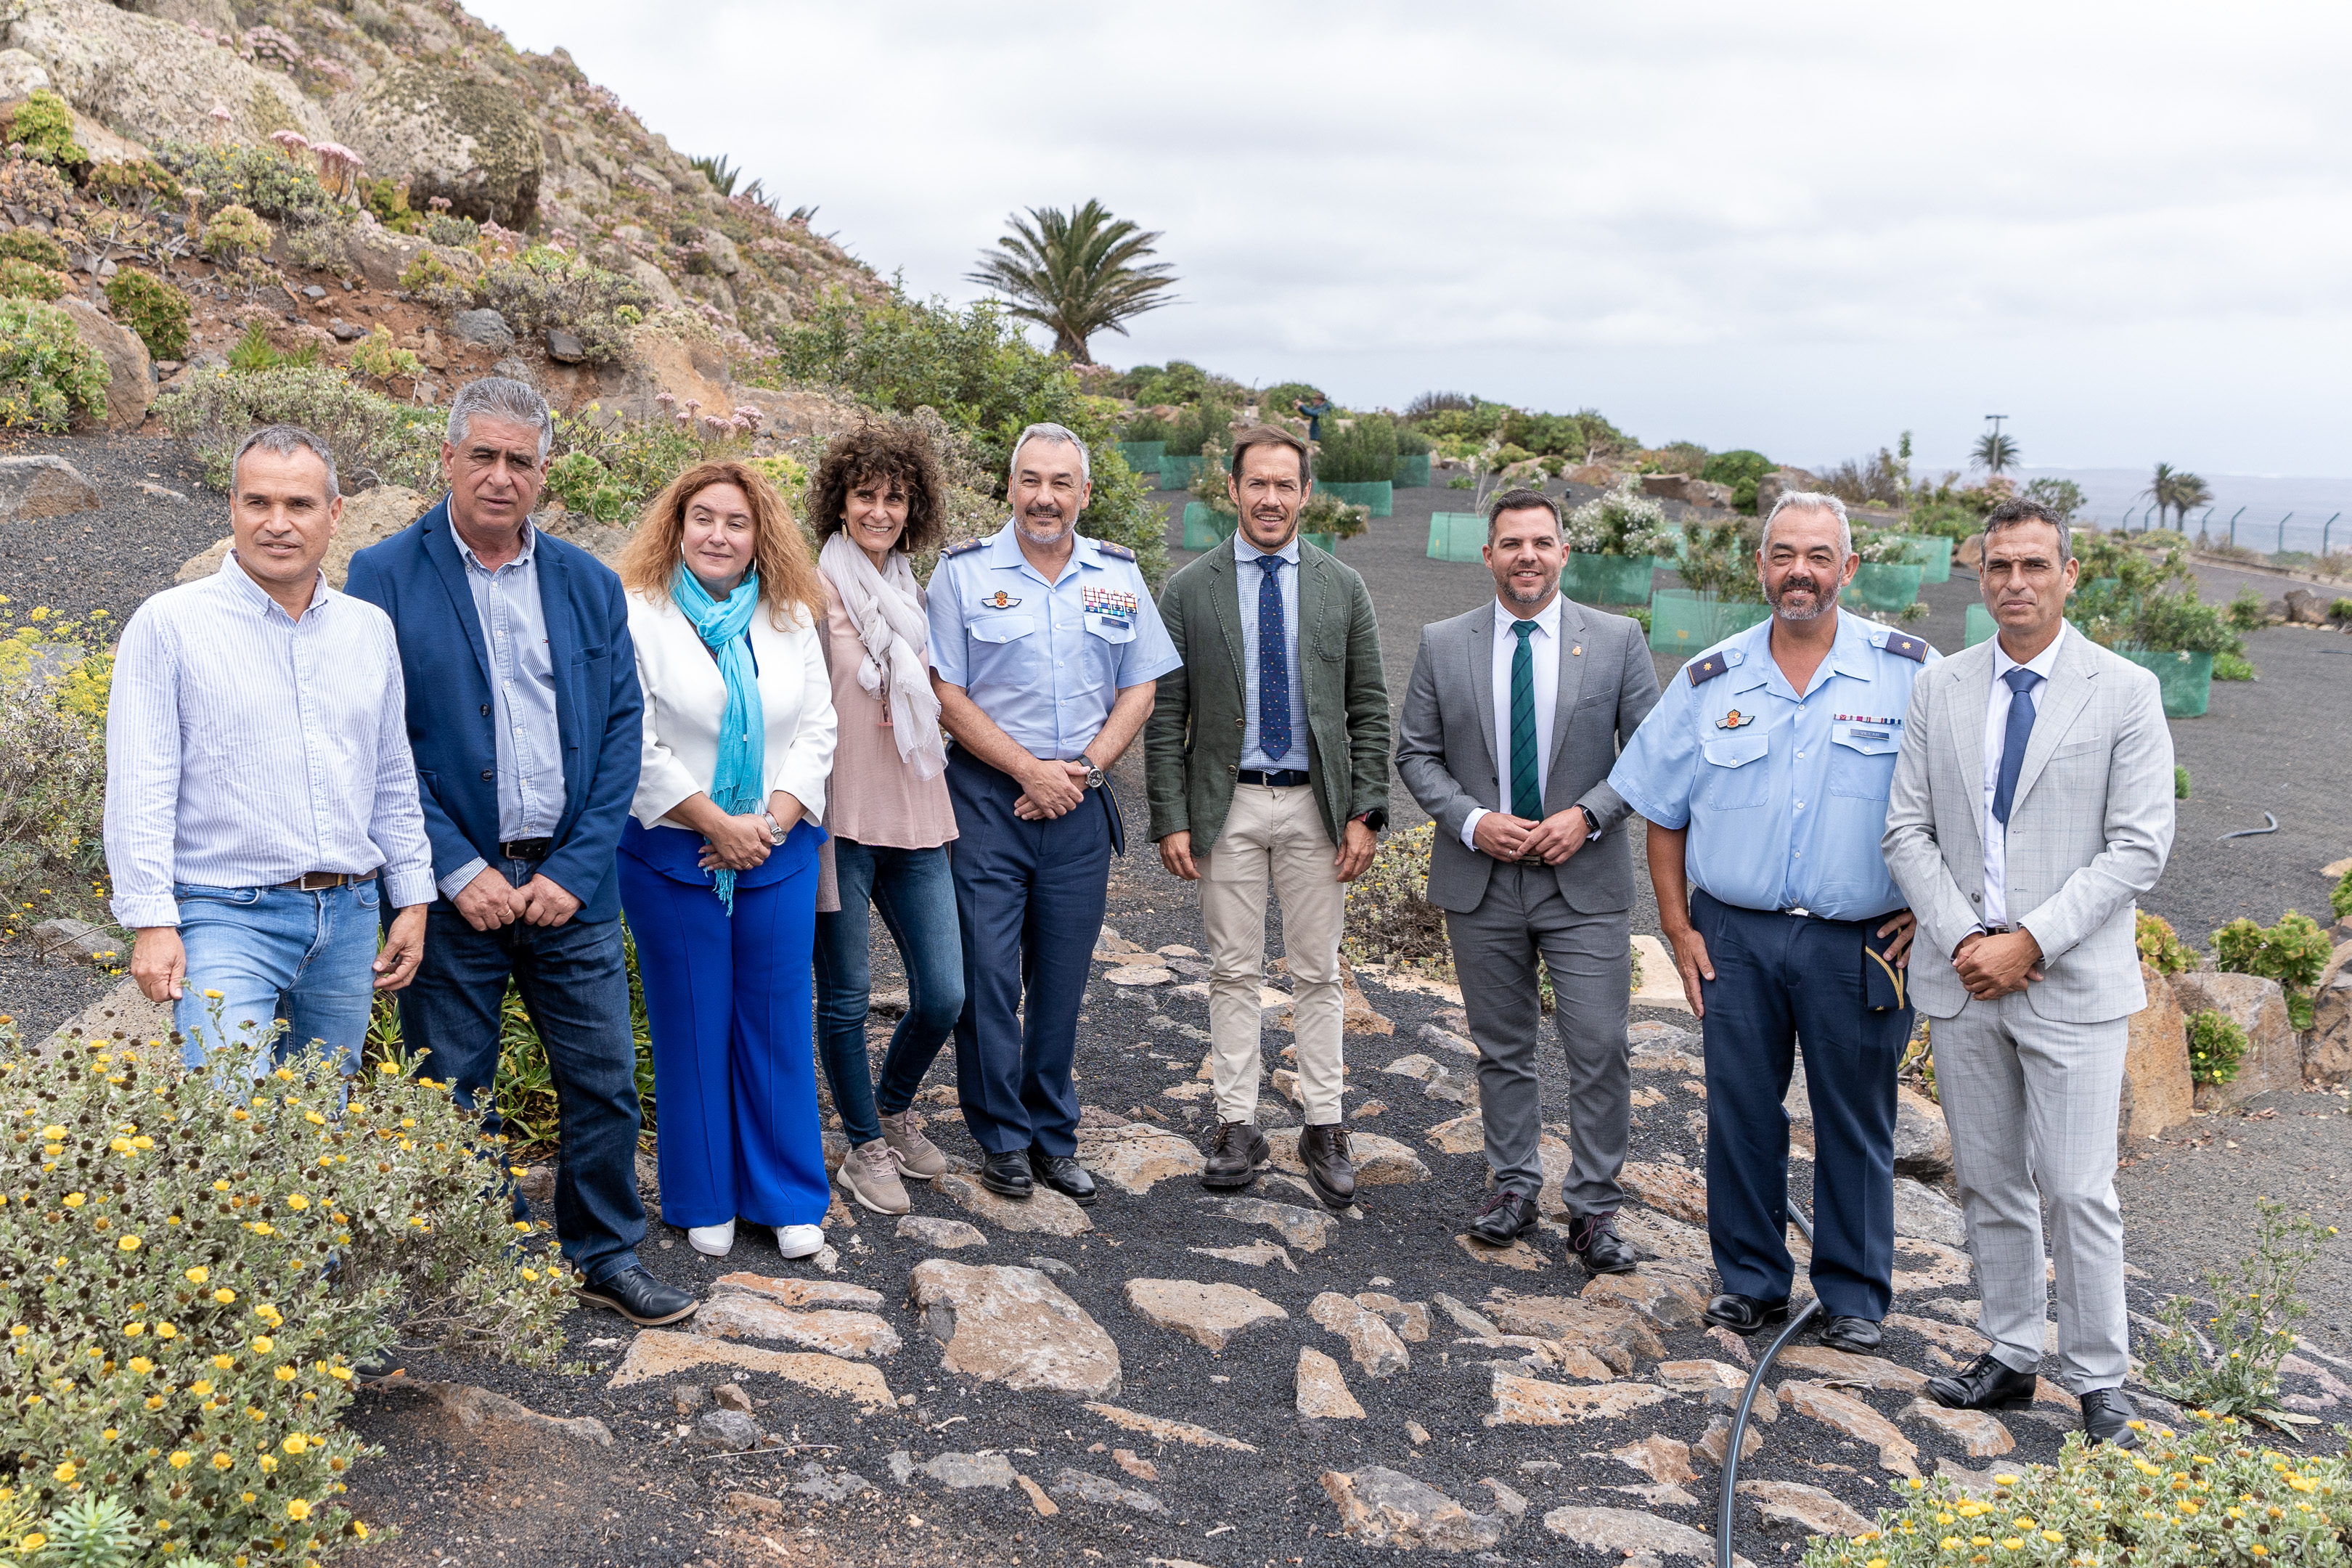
1527, 790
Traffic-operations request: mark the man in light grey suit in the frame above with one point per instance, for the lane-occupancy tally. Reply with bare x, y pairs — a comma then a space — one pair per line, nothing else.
1511, 724
2031, 803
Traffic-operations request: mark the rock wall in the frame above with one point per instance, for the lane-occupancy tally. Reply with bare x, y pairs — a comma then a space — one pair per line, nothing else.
150, 80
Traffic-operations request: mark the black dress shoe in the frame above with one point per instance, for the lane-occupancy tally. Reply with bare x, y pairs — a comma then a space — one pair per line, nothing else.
1988, 1384
1745, 1314
1594, 1237
639, 1297
1856, 1336
1065, 1175
1006, 1174
1324, 1151
1235, 1152
1503, 1218
2108, 1416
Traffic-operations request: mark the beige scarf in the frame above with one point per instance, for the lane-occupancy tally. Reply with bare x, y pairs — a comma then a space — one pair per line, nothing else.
885, 611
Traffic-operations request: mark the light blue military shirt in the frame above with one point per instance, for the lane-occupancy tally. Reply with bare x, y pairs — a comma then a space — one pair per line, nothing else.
1046, 660
1785, 797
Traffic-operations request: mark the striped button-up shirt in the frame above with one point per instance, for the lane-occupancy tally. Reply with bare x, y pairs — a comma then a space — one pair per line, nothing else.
522, 690
245, 748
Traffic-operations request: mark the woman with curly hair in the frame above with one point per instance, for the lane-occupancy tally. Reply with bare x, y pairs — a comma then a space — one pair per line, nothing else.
718, 862
877, 497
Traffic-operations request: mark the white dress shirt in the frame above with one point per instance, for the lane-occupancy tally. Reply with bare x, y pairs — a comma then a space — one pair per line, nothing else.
245, 748
686, 698
1248, 575
1543, 650
1996, 836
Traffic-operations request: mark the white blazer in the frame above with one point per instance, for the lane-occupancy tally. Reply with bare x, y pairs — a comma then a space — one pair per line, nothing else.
686, 696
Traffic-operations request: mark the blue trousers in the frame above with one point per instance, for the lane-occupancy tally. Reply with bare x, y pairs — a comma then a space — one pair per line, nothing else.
1779, 979
573, 980
728, 1001
915, 892
1029, 905
273, 953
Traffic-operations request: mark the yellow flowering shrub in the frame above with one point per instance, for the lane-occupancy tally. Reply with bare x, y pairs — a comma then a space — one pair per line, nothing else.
2213, 1497
188, 1277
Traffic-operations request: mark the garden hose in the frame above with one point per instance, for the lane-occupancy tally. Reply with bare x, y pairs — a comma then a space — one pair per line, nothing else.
1724, 1556
2252, 832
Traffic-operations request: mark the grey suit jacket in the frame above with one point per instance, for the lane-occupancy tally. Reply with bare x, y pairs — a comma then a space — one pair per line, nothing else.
2089, 826
1448, 755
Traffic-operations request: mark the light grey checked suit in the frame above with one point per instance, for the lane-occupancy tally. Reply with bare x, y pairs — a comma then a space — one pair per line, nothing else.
1499, 918
2030, 1081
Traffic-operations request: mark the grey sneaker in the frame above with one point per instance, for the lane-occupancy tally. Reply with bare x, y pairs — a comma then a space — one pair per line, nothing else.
869, 1173
918, 1158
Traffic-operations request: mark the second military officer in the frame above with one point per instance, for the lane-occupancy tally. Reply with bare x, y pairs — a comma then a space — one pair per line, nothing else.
1045, 651
1763, 771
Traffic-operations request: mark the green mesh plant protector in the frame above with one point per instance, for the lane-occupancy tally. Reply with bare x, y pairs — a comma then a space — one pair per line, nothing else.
1683, 622
1884, 586
1205, 527
1608, 579
1381, 496
2187, 678
1457, 536
1412, 471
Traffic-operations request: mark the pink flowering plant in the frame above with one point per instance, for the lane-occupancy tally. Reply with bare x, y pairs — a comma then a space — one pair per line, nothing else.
188, 1276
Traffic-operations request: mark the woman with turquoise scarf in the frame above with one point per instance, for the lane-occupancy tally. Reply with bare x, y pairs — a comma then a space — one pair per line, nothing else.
718, 864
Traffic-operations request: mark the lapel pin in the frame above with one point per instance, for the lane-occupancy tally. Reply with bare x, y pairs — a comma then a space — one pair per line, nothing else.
1578, 649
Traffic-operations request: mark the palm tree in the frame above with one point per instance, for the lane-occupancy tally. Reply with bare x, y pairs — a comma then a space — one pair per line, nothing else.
1995, 452
2175, 490
1079, 273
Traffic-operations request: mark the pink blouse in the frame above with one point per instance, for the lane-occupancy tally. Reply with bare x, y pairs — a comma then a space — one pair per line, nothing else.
876, 797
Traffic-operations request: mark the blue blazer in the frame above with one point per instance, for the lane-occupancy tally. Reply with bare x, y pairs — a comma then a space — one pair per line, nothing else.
417, 579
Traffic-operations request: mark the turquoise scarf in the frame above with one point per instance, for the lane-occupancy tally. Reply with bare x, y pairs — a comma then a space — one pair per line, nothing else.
738, 786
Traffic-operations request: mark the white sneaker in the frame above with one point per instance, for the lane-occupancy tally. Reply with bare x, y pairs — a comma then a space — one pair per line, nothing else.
797, 1241
712, 1240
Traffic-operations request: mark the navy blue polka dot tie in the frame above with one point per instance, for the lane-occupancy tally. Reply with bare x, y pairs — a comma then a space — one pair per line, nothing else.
1272, 665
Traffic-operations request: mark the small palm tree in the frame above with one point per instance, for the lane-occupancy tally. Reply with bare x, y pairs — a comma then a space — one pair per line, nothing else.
2174, 490
1079, 273
1995, 453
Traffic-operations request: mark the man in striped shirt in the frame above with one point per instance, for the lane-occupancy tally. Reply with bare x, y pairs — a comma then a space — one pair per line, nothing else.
261, 800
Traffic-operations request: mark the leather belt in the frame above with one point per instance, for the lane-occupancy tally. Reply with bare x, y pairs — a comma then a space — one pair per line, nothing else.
320, 881
527, 848
1281, 778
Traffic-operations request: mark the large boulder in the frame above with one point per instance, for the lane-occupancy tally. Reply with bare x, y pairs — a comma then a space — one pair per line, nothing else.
131, 379
2328, 1049
43, 486
1688, 490
151, 79
2273, 1058
448, 134
2157, 1092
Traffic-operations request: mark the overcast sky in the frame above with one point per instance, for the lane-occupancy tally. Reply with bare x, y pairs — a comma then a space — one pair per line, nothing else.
1801, 229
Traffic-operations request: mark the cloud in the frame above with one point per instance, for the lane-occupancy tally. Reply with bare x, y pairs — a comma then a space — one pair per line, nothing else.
1800, 227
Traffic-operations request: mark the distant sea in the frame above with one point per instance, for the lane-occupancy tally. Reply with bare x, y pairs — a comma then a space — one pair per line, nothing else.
2260, 502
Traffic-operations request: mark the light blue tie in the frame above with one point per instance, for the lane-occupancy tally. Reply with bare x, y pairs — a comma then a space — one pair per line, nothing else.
2022, 683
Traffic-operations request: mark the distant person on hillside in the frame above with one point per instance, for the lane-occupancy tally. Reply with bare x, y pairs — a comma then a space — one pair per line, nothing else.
2042, 742
1314, 413
1268, 756
261, 804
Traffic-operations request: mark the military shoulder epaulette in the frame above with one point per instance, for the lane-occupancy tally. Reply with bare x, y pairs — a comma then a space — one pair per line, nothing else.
1904, 643
1703, 671
1116, 551
966, 548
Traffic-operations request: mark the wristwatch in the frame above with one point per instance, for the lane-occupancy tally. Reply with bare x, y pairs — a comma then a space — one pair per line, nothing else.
1591, 823
777, 832
1094, 774
1377, 819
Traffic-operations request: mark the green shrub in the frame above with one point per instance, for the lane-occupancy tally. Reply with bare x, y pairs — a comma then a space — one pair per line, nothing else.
1639, 614
2211, 1498
321, 248
158, 313
2179, 781
1195, 429
437, 282
388, 200
43, 127
31, 245
141, 183
2227, 666
2341, 610
2234, 1372
232, 234
1362, 452
254, 354
48, 374
373, 438
2160, 947
30, 280
2245, 612
2216, 1046
1721, 559
2063, 497
260, 179
1735, 469
179, 1344
1624, 522
52, 788
1389, 919
1326, 513
2291, 952
377, 358
2339, 898
545, 288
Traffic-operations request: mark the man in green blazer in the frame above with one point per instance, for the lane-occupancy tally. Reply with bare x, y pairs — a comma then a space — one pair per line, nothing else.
1268, 756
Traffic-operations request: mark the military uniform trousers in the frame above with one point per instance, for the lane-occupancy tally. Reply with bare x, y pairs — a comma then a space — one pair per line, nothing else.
1029, 907
1779, 979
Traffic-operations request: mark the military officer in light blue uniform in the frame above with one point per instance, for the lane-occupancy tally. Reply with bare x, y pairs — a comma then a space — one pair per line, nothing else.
1046, 650
1763, 772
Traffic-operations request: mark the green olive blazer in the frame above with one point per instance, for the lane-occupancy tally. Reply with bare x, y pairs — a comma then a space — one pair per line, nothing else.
1193, 742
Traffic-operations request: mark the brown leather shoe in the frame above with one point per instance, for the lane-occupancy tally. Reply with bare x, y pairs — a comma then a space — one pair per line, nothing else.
1324, 1151
1235, 1152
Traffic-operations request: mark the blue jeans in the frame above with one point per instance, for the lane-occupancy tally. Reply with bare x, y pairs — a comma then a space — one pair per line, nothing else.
273, 953
916, 893
574, 984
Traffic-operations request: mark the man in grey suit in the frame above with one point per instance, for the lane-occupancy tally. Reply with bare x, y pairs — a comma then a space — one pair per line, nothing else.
2031, 803
1511, 724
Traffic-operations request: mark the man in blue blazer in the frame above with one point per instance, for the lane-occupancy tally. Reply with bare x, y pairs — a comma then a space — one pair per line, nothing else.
524, 713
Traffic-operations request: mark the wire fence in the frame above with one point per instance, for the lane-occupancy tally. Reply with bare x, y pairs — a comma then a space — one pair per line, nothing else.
2299, 539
